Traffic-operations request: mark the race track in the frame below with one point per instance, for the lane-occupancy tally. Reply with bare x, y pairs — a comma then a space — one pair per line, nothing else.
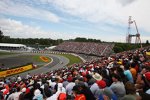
55, 64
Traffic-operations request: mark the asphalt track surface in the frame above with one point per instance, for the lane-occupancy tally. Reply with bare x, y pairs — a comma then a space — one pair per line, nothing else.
16, 60
56, 63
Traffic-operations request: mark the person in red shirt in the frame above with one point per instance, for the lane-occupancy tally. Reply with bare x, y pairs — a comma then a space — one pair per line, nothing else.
77, 93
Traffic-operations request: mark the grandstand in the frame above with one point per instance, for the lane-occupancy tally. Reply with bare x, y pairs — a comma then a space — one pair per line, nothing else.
90, 48
8, 46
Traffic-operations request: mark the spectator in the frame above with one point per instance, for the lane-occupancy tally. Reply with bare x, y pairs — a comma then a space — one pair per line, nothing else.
60, 93
94, 87
131, 92
87, 77
128, 73
47, 92
77, 93
70, 86
86, 91
133, 71
22, 94
28, 76
1, 96
10, 95
37, 95
117, 86
17, 93
104, 91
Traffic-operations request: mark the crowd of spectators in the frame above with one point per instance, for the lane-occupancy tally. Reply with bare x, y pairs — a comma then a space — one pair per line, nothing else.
91, 48
124, 76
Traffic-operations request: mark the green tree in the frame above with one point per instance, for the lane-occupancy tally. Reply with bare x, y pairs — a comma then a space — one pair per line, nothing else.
79, 39
117, 49
147, 42
1, 36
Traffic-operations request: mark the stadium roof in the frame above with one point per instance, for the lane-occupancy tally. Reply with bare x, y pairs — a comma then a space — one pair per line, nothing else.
11, 45
52, 47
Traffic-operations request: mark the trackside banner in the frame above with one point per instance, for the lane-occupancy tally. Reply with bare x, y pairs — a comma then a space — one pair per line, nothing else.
15, 70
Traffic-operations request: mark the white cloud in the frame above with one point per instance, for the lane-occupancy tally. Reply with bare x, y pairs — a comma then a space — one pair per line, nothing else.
9, 7
107, 11
113, 12
15, 28
144, 38
93, 11
106, 17
126, 2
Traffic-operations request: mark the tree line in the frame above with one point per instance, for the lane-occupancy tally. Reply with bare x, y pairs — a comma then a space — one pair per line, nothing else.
41, 41
119, 47
79, 39
29, 41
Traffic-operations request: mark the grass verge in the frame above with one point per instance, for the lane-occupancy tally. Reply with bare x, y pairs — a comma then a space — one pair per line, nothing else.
6, 53
72, 59
38, 59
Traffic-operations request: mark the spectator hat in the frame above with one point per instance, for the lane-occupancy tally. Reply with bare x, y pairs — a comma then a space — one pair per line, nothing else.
23, 90
97, 77
101, 83
83, 74
147, 76
37, 92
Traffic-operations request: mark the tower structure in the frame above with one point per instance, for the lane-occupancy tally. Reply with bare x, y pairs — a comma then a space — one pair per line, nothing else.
129, 35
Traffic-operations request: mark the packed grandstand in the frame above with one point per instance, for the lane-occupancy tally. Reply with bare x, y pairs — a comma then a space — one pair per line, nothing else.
122, 76
90, 48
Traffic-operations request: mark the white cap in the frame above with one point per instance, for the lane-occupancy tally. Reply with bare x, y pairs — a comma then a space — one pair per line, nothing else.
37, 92
23, 90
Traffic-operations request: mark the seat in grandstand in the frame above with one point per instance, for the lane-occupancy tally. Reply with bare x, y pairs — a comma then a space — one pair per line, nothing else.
90, 48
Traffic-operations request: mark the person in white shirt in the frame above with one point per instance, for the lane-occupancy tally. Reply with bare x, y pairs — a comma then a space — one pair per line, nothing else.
16, 94
60, 90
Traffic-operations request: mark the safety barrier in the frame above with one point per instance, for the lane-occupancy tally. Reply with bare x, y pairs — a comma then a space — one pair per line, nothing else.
15, 70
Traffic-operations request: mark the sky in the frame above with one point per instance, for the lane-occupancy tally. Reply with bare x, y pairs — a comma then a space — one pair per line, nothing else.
106, 20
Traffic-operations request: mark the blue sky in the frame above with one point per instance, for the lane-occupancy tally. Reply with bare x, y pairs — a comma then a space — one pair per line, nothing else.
106, 20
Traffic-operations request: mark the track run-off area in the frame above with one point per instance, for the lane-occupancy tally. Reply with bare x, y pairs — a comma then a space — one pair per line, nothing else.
57, 62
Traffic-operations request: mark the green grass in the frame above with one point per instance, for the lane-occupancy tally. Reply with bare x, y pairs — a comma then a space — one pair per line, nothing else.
37, 59
6, 53
72, 59
34, 58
